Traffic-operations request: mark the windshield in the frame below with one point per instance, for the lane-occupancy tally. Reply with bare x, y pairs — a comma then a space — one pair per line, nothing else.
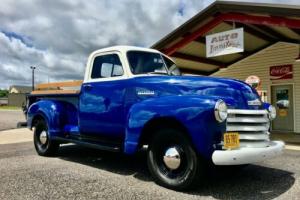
142, 62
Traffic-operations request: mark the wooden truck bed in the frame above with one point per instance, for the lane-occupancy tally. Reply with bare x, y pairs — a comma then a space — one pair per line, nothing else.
73, 87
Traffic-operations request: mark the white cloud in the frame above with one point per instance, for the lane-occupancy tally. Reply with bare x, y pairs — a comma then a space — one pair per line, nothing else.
58, 35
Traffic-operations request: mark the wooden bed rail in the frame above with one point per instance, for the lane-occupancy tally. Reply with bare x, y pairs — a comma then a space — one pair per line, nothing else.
56, 87
76, 83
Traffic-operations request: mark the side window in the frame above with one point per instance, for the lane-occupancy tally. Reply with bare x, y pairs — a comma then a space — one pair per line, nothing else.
107, 66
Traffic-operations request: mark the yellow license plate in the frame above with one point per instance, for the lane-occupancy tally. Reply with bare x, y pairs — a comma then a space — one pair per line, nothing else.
231, 140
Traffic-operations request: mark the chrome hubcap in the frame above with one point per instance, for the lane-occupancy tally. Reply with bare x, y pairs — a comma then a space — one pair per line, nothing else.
172, 158
43, 137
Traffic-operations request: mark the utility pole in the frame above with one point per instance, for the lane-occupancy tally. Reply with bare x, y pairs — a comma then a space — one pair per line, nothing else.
32, 68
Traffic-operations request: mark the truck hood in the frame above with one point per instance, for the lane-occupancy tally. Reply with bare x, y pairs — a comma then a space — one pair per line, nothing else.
235, 93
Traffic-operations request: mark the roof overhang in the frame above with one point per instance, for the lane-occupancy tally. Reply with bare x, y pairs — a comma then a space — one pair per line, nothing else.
264, 25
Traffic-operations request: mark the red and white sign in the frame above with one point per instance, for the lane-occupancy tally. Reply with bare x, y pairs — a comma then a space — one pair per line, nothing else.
281, 72
226, 42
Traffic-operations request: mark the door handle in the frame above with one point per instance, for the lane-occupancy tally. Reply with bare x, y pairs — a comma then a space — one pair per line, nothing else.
87, 86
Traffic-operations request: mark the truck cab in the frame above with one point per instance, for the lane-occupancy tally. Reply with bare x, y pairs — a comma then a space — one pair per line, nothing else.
135, 97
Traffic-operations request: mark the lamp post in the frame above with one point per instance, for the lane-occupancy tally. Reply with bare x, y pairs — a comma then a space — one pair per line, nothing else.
32, 68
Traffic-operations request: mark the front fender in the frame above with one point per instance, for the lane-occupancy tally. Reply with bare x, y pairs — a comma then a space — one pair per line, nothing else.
195, 113
56, 114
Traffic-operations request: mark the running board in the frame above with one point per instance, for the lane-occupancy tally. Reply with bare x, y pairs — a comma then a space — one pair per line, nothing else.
87, 144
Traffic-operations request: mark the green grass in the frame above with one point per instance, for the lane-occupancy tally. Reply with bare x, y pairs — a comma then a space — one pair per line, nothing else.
10, 108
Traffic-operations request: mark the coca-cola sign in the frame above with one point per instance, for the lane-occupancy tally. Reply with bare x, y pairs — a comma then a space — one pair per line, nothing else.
281, 72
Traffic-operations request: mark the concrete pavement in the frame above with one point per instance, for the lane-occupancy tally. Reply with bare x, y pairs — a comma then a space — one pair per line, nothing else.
10, 118
287, 137
83, 173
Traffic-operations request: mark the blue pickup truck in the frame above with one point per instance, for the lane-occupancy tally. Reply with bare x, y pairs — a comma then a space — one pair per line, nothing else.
133, 98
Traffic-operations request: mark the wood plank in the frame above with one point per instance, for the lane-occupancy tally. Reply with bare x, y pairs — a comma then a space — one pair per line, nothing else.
253, 31
279, 36
59, 84
197, 59
296, 31
55, 92
236, 17
196, 72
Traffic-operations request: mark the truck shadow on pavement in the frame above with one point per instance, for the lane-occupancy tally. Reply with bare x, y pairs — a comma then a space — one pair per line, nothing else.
251, 182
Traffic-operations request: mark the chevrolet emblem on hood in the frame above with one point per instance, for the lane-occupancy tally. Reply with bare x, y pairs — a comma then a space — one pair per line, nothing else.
255, 102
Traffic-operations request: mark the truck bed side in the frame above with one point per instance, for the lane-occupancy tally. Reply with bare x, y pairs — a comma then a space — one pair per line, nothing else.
56, 96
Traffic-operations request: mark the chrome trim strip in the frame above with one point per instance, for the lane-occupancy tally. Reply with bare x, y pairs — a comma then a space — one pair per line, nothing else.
248, 119
251, 136
247, 112
247, 128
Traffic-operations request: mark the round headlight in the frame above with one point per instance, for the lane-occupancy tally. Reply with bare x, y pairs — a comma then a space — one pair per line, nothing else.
272, 112
220, 111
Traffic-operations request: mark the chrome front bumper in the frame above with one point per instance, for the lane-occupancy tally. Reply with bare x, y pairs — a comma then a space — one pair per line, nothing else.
247, 155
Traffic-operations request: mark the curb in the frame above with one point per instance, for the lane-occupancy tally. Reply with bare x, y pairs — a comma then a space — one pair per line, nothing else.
293, 147
10, 110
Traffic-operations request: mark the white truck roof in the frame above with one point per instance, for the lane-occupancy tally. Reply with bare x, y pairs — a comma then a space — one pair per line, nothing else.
123, 49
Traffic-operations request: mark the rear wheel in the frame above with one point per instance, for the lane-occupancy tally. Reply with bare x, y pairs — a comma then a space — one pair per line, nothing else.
44, 146
172, 160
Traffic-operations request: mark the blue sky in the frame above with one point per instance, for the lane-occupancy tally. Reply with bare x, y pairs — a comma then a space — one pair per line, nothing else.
57, 36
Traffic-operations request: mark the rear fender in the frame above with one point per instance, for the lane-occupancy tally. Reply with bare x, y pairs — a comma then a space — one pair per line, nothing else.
56, 113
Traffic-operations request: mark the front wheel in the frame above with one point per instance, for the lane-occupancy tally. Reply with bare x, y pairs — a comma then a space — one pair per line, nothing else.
172, 160
44, 146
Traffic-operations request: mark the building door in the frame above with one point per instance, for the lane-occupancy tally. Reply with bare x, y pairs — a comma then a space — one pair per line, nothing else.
282, 99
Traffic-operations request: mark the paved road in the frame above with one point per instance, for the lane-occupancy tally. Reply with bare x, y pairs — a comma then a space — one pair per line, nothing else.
10, 118
79, 173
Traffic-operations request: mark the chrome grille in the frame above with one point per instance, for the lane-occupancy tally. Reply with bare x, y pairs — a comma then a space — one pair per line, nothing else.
252, 126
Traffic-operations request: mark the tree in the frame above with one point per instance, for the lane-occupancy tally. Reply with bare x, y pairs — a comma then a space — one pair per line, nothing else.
3, 93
